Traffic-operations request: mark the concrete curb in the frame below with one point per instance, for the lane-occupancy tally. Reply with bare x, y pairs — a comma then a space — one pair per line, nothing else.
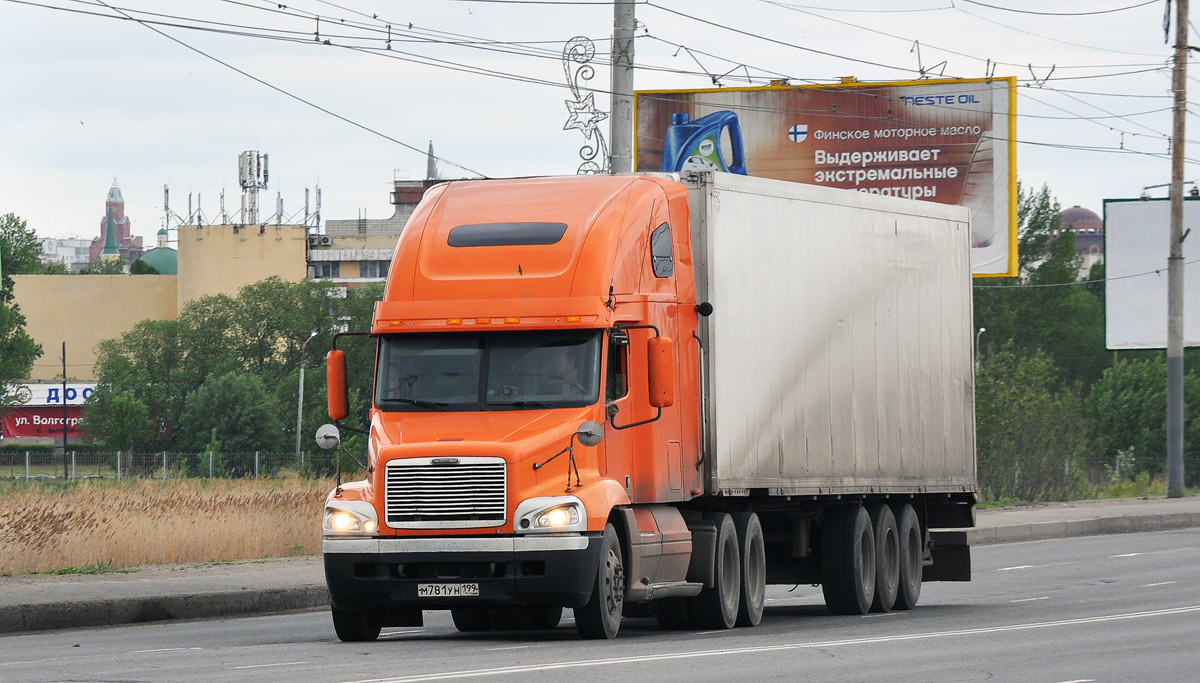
1096, 526
191, 601
142, 609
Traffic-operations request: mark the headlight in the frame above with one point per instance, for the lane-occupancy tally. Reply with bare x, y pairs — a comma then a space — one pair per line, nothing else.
550, 514
349, 517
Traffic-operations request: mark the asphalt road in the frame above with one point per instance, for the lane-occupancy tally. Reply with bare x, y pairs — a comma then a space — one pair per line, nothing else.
1102, 608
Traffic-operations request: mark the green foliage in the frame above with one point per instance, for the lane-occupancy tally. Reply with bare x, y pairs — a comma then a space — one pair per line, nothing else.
104, 267
121, 421
236, 408
1029, 429
1044, 310
20, 252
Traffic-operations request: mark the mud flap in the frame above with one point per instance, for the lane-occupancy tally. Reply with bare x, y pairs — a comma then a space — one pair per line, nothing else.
951, 557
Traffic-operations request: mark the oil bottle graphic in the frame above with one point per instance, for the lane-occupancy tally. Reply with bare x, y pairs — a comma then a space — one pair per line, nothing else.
696, 145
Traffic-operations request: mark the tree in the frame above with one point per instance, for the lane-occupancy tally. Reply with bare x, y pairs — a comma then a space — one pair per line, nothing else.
104, 266
237, 408
19, 253
118, 421
1030, 430
148, 363
1045, 309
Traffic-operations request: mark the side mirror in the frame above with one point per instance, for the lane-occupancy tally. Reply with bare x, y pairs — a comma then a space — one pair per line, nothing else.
335, 380
660, 361
590, 433
328, 437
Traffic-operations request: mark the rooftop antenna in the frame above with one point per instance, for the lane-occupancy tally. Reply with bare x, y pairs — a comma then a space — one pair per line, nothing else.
252, 176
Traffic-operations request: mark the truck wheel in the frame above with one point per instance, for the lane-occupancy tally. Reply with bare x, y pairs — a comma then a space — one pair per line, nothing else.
355, 626
754, 568
600, 618
848, 560
717, 607
471, 619
887, 558
912, 551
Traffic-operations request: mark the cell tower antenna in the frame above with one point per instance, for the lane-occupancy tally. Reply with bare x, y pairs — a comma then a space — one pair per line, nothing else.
252, 176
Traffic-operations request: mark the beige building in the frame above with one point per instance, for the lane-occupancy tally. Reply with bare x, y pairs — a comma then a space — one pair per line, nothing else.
82, 310
221, 259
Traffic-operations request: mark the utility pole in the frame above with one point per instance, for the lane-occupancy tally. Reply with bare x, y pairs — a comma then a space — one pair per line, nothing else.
620, 131
1175, 264
66, 471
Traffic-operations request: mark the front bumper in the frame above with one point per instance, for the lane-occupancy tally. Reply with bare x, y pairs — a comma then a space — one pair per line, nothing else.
369, 573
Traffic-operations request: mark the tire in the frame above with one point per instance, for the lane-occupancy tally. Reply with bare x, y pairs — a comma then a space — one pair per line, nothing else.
848, 560
754, 568
912, 554
716, 607
355, 626
600, 618
887, 558
471, 619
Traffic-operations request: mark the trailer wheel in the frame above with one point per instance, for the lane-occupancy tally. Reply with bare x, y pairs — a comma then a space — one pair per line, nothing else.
912, 551
600, 618
754, 568
887, 558
848, 560
355, 626
471, 619
717, 607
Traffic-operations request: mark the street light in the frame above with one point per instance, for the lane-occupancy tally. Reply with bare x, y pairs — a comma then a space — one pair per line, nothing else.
977, 335
300, 400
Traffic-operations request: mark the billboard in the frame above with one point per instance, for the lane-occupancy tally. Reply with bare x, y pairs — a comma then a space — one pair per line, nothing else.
39, 409
1136, 245
950, 141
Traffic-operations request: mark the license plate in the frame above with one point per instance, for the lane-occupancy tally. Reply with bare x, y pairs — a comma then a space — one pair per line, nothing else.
447, 590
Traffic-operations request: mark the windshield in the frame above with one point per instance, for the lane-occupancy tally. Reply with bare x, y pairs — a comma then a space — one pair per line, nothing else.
488, 371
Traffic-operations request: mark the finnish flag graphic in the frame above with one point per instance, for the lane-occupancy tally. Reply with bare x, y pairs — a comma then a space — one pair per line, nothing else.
798, 132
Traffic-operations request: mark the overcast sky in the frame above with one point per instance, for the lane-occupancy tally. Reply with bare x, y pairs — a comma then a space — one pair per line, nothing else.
90, 95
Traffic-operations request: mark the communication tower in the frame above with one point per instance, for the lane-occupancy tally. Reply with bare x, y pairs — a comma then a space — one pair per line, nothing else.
252, 175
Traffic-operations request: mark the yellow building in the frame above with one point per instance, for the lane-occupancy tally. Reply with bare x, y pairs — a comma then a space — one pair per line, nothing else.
82, 310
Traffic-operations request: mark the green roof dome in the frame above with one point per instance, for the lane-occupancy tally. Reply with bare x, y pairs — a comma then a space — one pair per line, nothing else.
164, 259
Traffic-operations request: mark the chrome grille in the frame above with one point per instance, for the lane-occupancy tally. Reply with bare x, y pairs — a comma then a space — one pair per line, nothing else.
427, 493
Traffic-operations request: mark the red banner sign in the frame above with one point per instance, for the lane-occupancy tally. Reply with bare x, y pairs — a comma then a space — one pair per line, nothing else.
46, 421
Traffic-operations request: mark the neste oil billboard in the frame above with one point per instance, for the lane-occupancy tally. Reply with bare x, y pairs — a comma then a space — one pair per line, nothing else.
948, 141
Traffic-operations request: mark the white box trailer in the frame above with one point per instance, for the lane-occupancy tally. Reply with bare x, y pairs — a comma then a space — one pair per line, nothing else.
839, 356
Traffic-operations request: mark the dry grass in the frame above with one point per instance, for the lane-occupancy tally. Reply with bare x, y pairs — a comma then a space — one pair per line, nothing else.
47, 527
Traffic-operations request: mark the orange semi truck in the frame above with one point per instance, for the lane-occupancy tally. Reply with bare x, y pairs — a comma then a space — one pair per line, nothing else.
653, 395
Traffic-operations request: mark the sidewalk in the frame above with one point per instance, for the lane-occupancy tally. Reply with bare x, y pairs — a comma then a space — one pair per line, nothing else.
155, 593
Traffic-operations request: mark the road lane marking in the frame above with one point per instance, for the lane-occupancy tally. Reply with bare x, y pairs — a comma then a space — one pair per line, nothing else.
1080, 680
262, 666
1030, 599
666, 656
166, 649
1152, 585
1125, 555
513, 647
1009, 569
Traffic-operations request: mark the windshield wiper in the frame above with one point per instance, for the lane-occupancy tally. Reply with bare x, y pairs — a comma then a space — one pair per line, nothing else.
420, 403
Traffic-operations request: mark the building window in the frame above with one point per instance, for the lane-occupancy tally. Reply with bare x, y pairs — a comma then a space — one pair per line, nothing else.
326, 269
373, 269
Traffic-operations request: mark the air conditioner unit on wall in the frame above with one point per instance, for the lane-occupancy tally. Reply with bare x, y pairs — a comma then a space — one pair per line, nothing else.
326, 241
314, 240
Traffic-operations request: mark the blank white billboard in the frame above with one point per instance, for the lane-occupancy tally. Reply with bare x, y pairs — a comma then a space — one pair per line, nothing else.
1136, 246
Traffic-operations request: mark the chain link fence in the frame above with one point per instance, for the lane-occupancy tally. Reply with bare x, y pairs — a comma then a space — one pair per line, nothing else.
41, 465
